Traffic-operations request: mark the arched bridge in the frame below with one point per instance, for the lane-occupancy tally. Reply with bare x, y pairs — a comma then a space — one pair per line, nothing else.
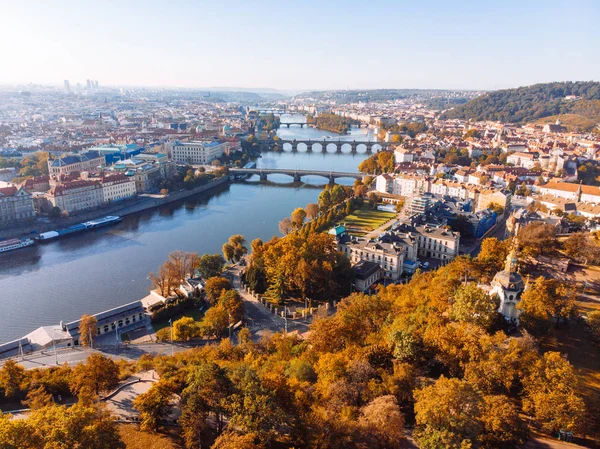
296, 174
288, 124
271, 144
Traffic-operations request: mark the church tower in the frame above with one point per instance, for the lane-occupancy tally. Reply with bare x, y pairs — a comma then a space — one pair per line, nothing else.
508, 285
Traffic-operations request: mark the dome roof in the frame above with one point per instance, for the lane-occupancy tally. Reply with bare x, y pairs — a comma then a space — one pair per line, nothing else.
509, 280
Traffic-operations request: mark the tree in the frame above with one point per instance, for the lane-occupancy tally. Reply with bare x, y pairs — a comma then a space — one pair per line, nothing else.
286, 226
228, 252
215, 321
210, 265
87, 330
538, 238
54, 213
550, 394
153, 405
492, 256
185, 329
232, 302
214, 286
545, 299
235, 440
593, 320
298, 216
501, 424
161, 280
383, 419
54, 426
312, 210
12, 377
580, 247
473, 305
98, 373
447, 415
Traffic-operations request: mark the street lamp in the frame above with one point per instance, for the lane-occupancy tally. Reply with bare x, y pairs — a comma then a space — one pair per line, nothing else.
54, 347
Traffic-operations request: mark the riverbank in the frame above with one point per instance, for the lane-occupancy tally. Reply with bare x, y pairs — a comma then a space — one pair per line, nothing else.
135, 205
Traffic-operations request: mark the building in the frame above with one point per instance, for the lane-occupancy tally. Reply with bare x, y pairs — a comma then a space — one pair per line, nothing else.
128, 315
16, 205
519, 159
89, 161
391, 251
434, 242
420, 204
508, 285
403, 155
77, 195
571, 191
117, 187
197, 152
366, 274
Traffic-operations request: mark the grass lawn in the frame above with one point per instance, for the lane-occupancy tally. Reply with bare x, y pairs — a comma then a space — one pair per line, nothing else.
194, 313
366, 219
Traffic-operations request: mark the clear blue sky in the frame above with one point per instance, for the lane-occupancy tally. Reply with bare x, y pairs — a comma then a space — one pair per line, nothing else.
300, 44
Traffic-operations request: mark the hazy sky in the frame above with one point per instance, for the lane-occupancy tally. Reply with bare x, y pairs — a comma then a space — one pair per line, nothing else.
323, 44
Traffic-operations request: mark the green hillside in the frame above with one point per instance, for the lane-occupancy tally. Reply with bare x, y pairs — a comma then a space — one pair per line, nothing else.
532, 103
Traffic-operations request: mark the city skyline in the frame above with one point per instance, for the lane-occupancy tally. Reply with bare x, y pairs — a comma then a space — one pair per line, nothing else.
299, 47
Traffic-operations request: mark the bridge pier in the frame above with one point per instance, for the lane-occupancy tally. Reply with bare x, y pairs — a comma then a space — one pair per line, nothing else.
294, 147
297, 177
263, 176
331, 180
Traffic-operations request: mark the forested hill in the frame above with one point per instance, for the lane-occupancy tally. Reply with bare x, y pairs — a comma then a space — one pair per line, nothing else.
532, 103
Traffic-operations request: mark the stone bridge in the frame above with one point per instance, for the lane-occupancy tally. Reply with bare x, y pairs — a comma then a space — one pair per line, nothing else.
302, 124
296, 174
271, 144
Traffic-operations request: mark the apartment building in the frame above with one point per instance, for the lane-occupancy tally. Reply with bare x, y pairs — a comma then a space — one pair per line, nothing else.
78, 195
117, 187
16, 205
432, 241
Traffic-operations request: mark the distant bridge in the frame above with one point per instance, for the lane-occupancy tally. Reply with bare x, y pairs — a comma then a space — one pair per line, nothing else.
296, 174
271, 144
302, 124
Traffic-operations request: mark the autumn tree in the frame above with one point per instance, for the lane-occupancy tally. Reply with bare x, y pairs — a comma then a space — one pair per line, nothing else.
236, 440
232, 303
551, 394
98, 373
228, 251
210, 265
492, 256
185, 329
87, 330
298, 216
383, 420
286, 226
161, 280
582, 248
214, 286
79, 426
537, 238
312, 210
38, 397
12, 378
238, 243
543, 300
153, 405
473, 305
215, 321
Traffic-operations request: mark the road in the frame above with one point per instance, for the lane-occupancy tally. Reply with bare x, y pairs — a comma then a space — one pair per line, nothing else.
261, 321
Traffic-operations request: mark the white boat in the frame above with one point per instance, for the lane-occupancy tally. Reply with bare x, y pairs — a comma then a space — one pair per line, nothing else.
102, 221
12, 244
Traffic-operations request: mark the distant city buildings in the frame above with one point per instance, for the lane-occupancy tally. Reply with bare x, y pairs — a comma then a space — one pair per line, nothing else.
16, 205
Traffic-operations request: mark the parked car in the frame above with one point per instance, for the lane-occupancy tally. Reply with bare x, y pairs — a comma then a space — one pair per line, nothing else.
426, 265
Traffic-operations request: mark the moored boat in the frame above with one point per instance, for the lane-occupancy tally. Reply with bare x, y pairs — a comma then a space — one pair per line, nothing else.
12, 244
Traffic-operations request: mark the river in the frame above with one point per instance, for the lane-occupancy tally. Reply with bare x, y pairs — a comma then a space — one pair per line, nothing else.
94, 271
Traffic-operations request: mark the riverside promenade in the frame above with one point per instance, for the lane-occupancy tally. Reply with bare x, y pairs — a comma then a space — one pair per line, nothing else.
135, 205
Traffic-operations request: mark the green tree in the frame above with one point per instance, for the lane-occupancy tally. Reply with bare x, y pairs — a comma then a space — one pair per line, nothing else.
473, 305
210, 265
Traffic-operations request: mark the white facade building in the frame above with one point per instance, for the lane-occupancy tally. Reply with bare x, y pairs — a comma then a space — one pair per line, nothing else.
197, 152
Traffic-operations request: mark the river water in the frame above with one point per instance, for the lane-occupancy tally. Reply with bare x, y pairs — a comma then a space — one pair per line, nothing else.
98, 270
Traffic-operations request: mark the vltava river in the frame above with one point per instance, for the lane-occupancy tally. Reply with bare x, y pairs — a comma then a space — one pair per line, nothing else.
92, 272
